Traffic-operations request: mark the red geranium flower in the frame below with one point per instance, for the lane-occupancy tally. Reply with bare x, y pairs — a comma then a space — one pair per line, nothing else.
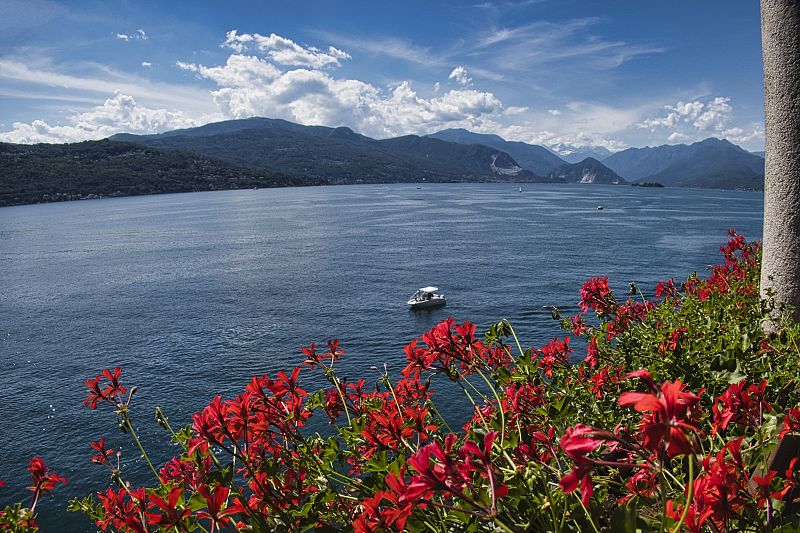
671, 413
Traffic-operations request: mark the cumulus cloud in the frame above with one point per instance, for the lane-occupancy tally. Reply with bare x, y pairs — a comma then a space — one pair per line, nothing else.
459, 74
554, 112
146, 64
118, 114
279, 78
699, 118
284, 51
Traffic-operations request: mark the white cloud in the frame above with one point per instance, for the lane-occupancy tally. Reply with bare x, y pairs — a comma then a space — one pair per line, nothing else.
520, 48
676, 137
118, 114
392, 47
459, 74
690, 120
249, 85
146, 64
715, 115
138, 35
284, 51
238, 71
515, 110
554, 112
24, 73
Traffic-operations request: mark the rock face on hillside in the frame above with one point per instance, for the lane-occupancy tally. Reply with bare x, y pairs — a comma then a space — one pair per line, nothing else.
535, 158
590, 170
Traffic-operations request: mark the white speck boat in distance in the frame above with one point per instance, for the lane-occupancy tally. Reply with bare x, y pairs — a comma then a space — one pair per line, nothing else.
426, 298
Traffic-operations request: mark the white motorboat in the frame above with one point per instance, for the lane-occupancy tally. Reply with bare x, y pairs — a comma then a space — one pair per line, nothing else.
427, 297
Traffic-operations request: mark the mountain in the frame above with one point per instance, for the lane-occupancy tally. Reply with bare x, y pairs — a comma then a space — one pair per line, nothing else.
590, 170
713, 163
573, 154
537, 159
339, 154
54, 172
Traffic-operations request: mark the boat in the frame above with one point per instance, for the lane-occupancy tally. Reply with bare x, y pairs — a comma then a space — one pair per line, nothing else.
599, 207
520, 189
426, 298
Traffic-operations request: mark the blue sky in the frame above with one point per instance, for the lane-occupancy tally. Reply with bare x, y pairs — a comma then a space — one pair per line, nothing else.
586, 73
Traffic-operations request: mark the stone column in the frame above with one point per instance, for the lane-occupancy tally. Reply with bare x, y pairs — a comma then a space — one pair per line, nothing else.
780, 33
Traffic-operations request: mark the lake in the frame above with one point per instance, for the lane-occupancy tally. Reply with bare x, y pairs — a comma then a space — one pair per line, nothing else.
191, 294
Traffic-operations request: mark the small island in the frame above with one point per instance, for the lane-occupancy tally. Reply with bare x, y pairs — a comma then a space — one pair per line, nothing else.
648, 184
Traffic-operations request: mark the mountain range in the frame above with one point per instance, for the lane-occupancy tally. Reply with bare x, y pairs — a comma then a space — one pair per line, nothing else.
590, 170
573, 154
537, 159
339, 155
263, 152
713, 163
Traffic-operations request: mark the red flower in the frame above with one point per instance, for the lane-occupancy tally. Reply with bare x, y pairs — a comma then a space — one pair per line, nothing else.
671, 342
592, 353
216, 498
599, 381
741, 404
102, 453
577, 325
113, 393
477, 460
554, 353
696, 516
387, 429
666, 289
114, 388
43, 479
791, 422
169, 516
643, 482
596, 295
671, 414
95, 393
722, 490
578, 442
387, 509
446, 473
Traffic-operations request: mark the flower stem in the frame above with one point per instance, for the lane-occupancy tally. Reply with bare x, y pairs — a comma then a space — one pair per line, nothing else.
141, 448
689, 494
589, 516
499, 407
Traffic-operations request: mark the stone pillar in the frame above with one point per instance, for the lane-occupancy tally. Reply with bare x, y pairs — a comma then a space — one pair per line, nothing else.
780, 34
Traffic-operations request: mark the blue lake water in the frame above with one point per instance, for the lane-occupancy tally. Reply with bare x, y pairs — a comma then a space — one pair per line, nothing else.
194, 293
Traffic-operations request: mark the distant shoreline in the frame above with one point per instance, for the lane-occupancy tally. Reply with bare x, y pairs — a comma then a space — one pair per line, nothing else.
310, 185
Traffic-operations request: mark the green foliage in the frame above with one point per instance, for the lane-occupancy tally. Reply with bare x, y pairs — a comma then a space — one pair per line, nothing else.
54, 172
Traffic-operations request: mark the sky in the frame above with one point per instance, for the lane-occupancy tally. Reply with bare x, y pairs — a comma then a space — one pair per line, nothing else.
585, 73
